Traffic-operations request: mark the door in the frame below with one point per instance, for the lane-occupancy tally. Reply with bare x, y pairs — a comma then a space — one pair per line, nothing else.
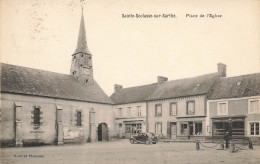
102, 132
173, 130
120, 130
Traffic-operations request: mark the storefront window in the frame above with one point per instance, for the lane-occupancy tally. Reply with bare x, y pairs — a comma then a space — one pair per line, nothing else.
198, 128
133, 128
235, 127
184, 128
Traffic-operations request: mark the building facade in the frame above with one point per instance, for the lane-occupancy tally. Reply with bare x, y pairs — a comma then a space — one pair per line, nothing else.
234, 107
130, 109
177, 108
174, 109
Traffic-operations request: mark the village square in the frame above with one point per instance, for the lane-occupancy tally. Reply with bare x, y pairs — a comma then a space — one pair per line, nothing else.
68, 118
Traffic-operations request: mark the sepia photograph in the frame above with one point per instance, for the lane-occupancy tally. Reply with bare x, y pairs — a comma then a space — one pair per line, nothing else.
129, 82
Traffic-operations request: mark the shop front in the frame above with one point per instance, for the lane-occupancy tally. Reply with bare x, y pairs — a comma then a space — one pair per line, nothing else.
191, 128
234, 125
127, 128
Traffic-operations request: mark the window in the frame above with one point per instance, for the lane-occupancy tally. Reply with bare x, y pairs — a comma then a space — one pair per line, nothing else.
78, 118
173, 109
198, 128
36, 118
253, 106
184, 128
120, 112
139, 114
129, 111
133, 128
254, 128
190, 108
138, 128
222, 108
158, 110
158, 128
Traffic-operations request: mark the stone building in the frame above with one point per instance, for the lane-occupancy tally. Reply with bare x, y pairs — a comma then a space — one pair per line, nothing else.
42, 107
234, 107
177, 108
131, 109
173, 109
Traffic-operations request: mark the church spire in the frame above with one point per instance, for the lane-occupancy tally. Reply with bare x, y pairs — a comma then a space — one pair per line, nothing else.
81, 63
82, 40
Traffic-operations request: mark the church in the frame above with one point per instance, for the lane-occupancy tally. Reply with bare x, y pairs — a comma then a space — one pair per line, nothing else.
41, 107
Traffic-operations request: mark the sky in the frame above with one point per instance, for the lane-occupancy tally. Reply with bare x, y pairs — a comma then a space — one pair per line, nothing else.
42, 34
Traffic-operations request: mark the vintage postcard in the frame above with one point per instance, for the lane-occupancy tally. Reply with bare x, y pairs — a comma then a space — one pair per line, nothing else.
113, 81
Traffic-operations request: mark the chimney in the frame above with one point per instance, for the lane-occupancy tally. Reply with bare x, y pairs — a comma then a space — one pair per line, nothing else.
222, 69
117, 87
161, 79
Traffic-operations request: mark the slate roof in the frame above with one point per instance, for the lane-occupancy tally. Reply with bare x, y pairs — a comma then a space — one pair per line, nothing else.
133, 94
170, 89
82, 40
184, 87
234, 87
23, 80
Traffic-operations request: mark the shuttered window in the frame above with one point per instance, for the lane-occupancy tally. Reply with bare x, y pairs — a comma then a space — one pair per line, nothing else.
222, 108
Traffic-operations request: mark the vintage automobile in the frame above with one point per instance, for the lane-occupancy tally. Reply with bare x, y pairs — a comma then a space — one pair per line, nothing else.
146, 138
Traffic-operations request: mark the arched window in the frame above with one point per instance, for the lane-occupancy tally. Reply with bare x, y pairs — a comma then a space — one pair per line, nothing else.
78, 118
36, 118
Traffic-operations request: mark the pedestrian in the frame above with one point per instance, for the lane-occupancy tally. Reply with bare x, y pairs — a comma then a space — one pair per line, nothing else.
226, 138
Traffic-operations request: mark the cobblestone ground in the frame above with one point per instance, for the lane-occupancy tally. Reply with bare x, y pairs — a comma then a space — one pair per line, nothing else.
118, 152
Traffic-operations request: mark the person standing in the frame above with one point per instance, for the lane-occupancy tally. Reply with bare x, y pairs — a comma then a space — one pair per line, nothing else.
226, 138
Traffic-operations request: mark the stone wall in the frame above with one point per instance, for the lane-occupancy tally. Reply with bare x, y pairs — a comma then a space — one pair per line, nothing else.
49, 128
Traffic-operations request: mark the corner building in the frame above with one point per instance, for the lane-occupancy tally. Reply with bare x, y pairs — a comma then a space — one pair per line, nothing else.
234, 107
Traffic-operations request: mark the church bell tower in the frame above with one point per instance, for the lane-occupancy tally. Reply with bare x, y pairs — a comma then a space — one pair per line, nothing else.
81, 63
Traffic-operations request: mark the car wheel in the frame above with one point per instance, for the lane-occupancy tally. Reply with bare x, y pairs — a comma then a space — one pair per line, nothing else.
131, 141
147, 142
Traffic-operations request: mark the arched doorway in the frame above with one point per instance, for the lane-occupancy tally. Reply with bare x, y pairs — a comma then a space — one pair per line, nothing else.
102, 132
